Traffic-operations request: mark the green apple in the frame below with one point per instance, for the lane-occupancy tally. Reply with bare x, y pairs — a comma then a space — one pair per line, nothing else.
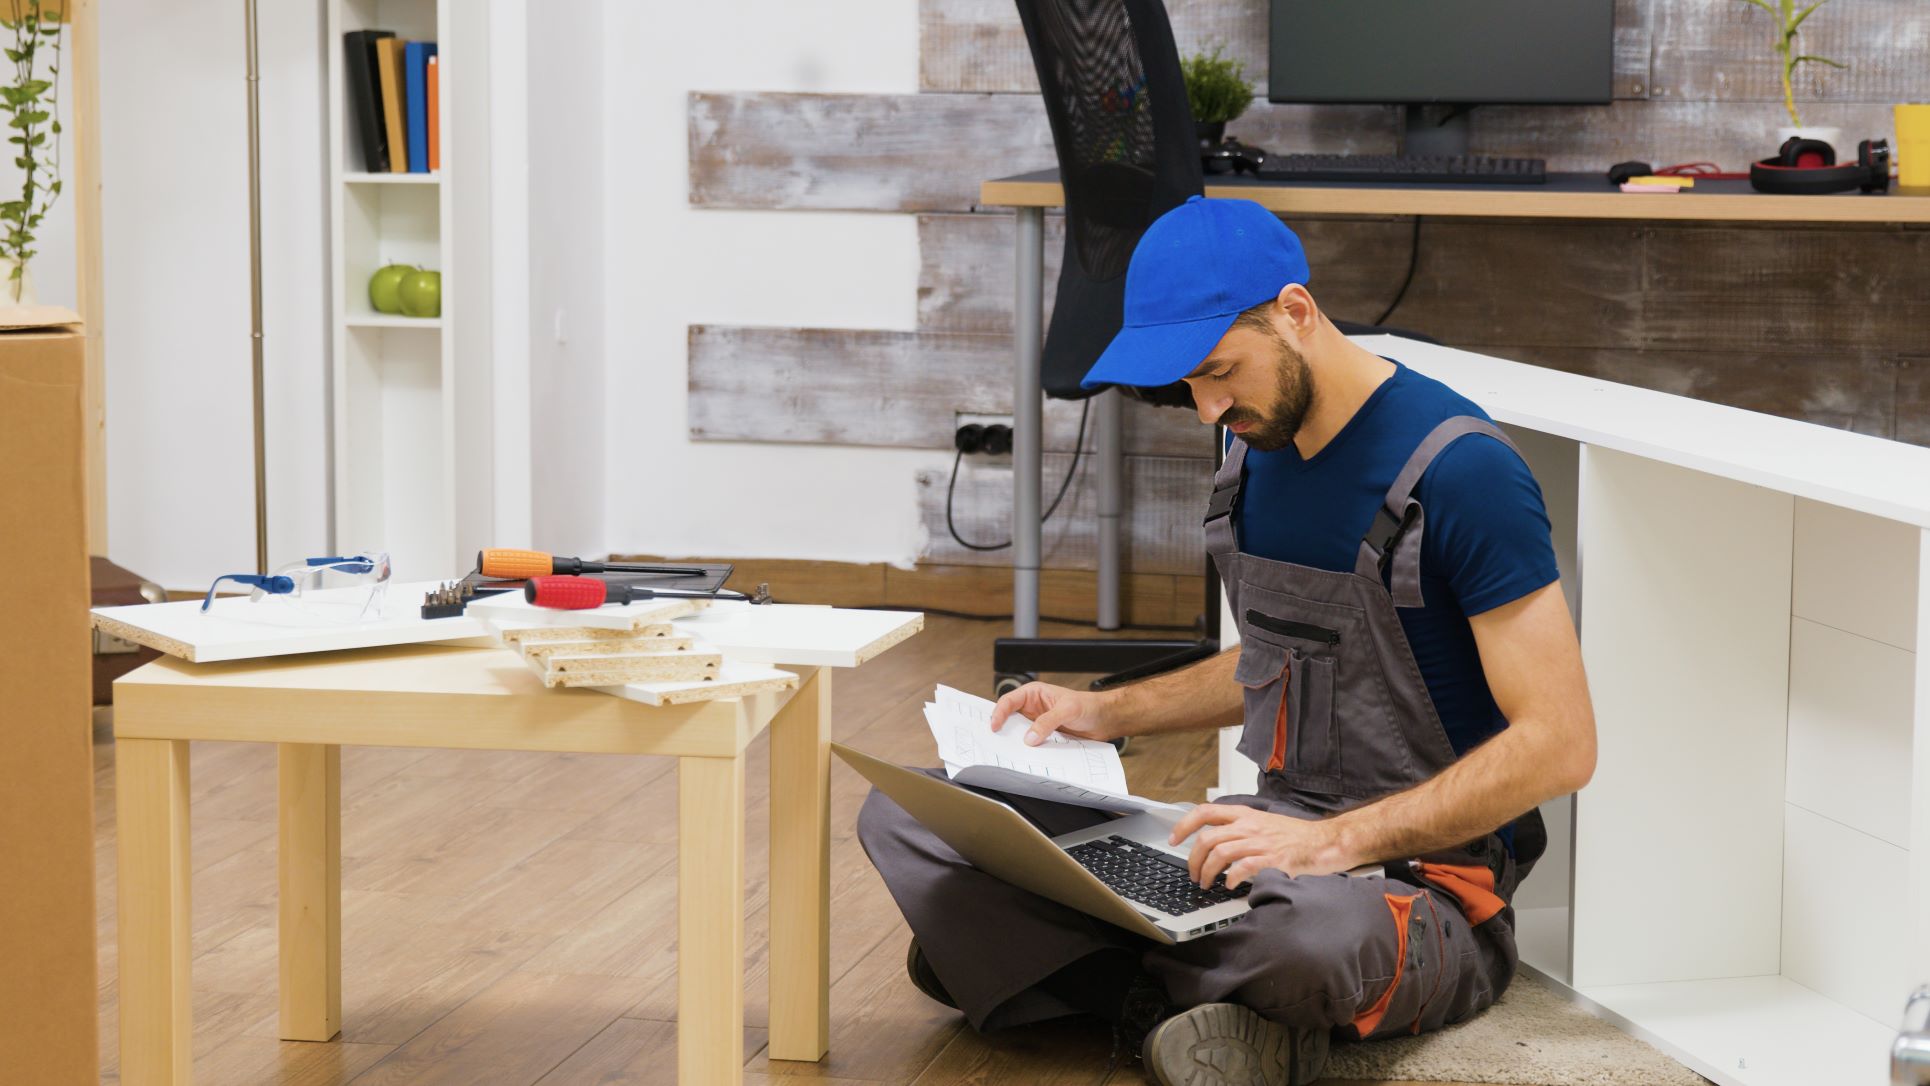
383, 287
422, 294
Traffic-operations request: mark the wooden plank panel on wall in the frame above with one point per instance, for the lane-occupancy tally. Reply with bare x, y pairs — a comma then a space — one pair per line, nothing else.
1913, 399
928, 152
903, 389
1846, 390
1844, 289
1726, 51
978, 45
1587, 139
965, 268
925, 152
1830, 290
1165, 500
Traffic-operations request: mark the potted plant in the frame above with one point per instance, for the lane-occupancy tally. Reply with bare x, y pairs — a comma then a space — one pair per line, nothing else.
1217, 91
1789, 19
31, 104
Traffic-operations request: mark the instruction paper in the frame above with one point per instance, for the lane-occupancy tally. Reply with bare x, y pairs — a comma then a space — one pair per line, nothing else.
1062, 769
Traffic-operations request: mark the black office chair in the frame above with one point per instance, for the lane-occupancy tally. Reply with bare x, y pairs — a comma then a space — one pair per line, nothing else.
1114, 93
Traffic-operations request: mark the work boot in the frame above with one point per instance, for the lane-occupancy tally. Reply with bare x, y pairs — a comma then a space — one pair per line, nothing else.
1225, 1044
923, 978
1141, 1009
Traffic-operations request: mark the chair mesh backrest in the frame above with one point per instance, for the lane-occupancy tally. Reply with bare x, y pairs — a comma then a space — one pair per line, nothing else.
1109, 72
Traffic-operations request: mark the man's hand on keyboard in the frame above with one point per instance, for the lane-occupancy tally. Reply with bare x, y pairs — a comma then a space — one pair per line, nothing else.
1083, 714
1244, 841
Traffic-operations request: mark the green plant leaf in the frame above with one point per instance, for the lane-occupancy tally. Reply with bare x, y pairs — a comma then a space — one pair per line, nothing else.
1766, 6
1804, 14
54, 188
1819, 60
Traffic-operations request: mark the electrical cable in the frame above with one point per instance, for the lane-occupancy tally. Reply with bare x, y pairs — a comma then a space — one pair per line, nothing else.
1413, 262
951, 488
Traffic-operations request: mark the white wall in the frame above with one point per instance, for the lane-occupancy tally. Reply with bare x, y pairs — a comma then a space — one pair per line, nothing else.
180, 453
668, 265
567, 252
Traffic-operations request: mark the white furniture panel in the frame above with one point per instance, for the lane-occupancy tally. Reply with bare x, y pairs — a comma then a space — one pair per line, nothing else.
1556, 464
1856, 471
1857, 573
1845, 899
1752, 1031
1918, 946
1686, 578
1849, 729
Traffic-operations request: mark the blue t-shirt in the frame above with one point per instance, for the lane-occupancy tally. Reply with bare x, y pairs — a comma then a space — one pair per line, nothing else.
1485, 541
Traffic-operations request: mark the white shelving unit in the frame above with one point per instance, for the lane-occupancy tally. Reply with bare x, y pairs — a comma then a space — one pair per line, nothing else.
411, 395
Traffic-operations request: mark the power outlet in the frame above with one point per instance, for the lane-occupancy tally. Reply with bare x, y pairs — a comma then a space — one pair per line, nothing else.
984, 435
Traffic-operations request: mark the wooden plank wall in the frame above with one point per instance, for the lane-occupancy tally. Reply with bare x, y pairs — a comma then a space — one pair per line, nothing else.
1828, 324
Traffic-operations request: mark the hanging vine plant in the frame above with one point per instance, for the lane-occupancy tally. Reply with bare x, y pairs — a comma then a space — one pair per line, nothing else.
32, 105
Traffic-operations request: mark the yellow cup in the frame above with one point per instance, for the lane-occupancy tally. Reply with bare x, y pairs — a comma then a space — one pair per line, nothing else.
1913, 146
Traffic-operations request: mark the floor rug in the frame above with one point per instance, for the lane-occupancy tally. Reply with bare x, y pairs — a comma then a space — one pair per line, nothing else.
1530, 1037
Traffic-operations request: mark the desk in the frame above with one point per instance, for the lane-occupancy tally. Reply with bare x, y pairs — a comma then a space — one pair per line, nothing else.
1746, 882
479, 699
1570, 196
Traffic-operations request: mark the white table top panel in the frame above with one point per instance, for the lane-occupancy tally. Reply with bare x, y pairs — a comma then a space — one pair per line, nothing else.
802, 634
1889, 479
237, 628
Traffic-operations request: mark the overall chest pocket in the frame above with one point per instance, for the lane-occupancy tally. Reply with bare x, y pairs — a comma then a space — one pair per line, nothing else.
1287, 669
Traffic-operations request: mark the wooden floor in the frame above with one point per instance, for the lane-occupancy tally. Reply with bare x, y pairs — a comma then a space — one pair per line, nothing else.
509, 918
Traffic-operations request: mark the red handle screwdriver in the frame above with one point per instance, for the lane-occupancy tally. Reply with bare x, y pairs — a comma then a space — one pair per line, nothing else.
587, 593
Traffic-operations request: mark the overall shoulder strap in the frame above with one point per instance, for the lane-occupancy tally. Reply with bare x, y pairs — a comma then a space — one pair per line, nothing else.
1220, 537
1394, 539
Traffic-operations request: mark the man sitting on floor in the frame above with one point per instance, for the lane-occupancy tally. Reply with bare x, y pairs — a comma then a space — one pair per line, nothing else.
1408, 677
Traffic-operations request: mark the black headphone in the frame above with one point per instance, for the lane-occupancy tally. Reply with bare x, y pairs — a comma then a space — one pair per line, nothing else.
1808, 167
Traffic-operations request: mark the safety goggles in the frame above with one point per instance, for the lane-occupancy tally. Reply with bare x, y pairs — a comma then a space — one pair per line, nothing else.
343, 589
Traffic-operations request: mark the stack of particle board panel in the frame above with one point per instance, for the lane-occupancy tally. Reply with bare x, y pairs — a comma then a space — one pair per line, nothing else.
614, 660
629, 650
610, 647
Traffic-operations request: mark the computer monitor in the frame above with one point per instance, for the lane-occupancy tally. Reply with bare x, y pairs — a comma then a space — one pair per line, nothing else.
1455, 52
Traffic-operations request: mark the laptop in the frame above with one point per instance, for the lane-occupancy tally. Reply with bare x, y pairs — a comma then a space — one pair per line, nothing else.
1121, 871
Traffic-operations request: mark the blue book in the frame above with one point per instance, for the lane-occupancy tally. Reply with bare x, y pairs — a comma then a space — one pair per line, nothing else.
415, 62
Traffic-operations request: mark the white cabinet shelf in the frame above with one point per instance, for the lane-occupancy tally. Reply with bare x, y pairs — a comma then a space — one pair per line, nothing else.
385, 320
365, 178
411, 469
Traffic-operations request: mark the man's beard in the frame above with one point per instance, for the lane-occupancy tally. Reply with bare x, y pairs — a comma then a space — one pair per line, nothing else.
1275, 429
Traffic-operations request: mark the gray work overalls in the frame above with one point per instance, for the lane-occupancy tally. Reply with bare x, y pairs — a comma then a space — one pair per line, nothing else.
1336, 715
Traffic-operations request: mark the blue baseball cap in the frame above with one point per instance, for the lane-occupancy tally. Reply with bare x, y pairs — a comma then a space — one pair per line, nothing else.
1195, 270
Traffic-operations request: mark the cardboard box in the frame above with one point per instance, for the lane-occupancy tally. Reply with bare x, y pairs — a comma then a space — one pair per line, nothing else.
47, 960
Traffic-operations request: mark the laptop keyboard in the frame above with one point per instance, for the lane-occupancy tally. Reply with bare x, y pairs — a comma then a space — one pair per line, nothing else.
1149, 876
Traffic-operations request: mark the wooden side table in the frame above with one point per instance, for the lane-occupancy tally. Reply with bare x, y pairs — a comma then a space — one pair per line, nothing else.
478, 699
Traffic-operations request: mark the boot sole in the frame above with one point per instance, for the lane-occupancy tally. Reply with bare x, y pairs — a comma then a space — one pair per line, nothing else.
1224, 1044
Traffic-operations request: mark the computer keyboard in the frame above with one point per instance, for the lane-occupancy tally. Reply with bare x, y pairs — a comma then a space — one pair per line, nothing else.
1421, 169
1144, 874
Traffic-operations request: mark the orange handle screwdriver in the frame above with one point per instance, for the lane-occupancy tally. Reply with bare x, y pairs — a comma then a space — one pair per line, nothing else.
503, 562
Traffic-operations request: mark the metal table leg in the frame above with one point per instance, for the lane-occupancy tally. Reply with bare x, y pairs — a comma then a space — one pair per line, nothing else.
1028, 328
1110, 450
